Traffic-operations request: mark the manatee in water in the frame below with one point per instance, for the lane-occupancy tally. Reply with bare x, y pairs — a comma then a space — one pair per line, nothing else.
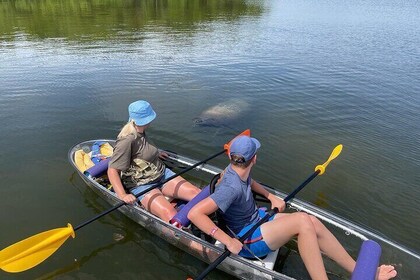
222, 113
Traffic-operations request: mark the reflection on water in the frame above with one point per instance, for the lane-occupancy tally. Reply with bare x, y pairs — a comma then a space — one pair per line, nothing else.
312, 73
85, 21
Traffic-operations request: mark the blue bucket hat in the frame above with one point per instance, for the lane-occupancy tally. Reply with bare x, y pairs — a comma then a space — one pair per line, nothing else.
141, 112
244, 146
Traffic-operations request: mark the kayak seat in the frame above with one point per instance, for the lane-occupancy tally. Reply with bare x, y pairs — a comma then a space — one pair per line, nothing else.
269, 260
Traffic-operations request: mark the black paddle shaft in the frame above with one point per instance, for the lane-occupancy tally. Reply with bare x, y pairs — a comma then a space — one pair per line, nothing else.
247, 234
148, 189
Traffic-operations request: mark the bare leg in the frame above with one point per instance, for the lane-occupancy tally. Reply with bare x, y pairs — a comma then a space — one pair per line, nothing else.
180, 188
334, 250
158, 205
279, 231
329, 244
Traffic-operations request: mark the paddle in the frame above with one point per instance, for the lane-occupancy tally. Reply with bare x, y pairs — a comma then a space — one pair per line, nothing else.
33, 250
319, 170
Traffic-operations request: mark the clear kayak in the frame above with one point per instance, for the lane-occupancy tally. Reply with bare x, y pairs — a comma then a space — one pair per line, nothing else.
282, 264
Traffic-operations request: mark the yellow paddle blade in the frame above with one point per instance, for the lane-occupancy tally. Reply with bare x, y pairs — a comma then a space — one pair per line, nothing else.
334, 154
33, 250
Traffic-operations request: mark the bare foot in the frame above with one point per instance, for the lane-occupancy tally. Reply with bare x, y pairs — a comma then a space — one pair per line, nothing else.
386, 272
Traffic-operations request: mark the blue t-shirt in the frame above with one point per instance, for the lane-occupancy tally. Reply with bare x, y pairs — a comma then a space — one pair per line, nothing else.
234, 198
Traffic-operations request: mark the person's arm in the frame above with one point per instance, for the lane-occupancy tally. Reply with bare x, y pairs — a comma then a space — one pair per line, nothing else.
114, 178
275, 200
163, 155
199, 215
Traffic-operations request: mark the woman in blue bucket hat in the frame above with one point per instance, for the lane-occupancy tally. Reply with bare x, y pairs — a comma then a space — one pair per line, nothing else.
136, 165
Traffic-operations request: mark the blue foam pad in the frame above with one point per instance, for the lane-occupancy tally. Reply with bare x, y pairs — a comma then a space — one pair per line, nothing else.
367, 262
98, 169
181, 218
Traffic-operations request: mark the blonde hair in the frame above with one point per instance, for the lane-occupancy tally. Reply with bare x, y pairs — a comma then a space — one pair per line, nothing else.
128, 128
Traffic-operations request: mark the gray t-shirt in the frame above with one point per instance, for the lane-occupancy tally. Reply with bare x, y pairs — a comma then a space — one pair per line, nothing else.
137, 158
234, 198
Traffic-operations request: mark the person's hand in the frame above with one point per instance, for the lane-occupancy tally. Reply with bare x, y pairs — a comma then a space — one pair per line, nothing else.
163, 155
234, 246
128, 198
277, 202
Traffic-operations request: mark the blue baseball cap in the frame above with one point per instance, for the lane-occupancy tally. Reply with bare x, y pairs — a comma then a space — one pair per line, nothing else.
141, 112
244, 146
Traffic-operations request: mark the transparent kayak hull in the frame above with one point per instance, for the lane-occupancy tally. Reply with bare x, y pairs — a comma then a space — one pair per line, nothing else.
350, 234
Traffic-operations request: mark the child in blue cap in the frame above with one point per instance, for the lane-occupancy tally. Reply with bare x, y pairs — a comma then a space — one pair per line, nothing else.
233, 196
136, 165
